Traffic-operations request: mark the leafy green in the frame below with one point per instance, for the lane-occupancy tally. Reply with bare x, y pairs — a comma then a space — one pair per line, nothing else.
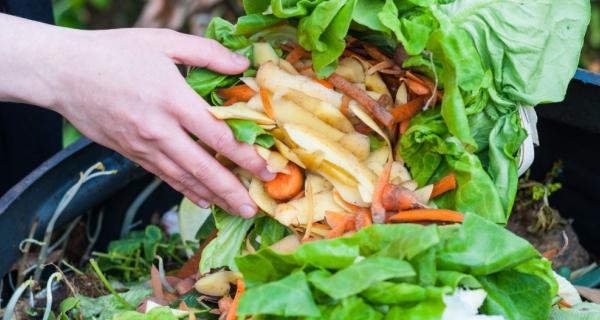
351, 308
249, 132
370, 270
375, 143
293, 298
161, 313
204, 81
517, 295
105, 307
481, 247
581, 311
406, 269
222, 250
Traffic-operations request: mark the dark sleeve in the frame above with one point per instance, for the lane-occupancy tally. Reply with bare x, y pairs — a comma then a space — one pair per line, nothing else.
28, 135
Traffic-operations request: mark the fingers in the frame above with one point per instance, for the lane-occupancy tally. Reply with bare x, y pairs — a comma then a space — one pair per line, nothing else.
206, 170
200, 52
216, 134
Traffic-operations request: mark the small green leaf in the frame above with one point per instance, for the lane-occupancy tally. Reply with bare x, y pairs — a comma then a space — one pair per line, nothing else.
250, 133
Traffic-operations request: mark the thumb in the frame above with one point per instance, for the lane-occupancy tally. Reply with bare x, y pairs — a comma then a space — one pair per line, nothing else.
201, 52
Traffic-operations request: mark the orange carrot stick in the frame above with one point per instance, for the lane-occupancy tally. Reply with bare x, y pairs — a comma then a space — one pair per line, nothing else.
324, 83
266, 101
428, 215
242, 92
445, 184
377, 209
232, 313
231, 101
408, 110
191, 266
296, 54
285, 186
404, 126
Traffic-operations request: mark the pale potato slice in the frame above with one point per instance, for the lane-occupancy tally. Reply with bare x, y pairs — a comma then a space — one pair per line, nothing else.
373, 82
263, 53
401, 95
240, 111
348, 193
288, 153
288, 244
399, 173
318, 183
276, 163
364, 117
268, 126
351, 70
217, 284
377, 160
255, 103
374, 95
288, 67
333, 152
288, 112
294, 212
424, 194
274, 79
323, 110
357, 143
411, 185
260, 197
250, 82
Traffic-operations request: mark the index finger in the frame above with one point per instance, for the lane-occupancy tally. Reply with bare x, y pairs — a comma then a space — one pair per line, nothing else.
217, 134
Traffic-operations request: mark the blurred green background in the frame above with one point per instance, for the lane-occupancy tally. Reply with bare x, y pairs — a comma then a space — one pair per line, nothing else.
193, 15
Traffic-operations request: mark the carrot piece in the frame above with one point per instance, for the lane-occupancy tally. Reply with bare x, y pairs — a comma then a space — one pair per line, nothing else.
296, 54
374, 108
445, 184
408, 110
428, 215
242, 92
324, 83
157, 288
300, 194
266, 101
352, 207
191, 266
334, 219
565, 304
362, 220
285, 186
551, 254
377, 209
336, 232
232, 313
404, 126
231, 101
417, 87
396, 198
380, 66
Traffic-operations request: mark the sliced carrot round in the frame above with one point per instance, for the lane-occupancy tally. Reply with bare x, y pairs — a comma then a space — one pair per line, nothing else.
285, 186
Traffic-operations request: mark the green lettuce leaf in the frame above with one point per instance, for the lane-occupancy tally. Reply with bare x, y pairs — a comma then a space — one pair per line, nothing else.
288, 297
350, 308
431, 308
516, 295
369, 270
386, 292
222, 250
481, 247
249, 132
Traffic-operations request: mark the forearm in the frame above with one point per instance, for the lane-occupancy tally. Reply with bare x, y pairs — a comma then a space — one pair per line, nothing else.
28, 51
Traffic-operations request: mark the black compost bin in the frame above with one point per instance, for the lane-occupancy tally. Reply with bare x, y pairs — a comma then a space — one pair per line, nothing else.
568, 131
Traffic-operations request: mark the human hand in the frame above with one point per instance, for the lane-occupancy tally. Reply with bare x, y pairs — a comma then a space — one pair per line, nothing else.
121, 88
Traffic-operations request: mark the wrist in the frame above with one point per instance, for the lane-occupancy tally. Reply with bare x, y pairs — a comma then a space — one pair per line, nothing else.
29, 61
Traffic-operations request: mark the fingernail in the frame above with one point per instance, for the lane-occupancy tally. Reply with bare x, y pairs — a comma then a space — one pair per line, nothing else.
203, 204
267, 175
239, 59
247, 211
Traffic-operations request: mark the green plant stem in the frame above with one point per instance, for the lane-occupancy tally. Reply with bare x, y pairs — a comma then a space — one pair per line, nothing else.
108, 286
